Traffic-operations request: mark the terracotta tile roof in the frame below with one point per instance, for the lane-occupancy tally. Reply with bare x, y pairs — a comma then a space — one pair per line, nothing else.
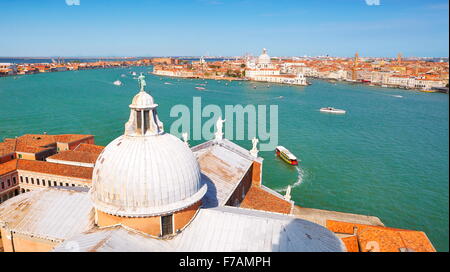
6, 148
351, 243
35, 143
55, 169
95, 149
383, 239
75, 156
69, 138
8, 167
259, 199
349, 228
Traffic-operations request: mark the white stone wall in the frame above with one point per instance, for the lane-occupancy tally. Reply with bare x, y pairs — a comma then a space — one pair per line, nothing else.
32, 180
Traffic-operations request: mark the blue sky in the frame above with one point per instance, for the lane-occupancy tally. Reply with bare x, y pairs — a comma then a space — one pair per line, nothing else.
223, 27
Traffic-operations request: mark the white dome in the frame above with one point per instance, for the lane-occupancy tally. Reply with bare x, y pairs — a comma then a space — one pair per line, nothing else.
146, 172
146, 176
264, 58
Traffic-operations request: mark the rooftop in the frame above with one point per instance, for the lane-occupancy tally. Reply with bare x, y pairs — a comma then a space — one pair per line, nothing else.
53, 214
95, 149
55, 169
8, 167
224, 229
381, 239
265, 200
223, 166
75, 156
35, 143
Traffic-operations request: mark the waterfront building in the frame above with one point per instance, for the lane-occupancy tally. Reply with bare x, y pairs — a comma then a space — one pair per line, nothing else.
412, 82
298, 79
165, 61
25, 162
8, 69
173, 72
263, 69
8, 181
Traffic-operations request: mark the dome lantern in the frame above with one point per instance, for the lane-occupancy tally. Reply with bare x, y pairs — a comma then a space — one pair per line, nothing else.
144, 119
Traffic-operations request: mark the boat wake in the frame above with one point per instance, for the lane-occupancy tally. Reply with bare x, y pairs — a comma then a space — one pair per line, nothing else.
300, 175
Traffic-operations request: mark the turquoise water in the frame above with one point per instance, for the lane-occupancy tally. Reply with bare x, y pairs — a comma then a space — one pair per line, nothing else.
387, 157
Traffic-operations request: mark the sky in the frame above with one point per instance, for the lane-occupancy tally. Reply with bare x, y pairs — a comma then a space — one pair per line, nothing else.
224, 28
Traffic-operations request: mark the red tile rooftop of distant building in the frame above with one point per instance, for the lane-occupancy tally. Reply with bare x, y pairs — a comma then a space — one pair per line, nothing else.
55, 169
382, 239
8, 167
75, 156
35, 143
91, 148
259, 199
351, 243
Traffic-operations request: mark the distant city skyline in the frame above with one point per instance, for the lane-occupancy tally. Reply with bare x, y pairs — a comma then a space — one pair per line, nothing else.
100, 28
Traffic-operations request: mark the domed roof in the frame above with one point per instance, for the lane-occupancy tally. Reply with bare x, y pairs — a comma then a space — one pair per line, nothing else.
264, 58
146, 172
146, 176
142, 100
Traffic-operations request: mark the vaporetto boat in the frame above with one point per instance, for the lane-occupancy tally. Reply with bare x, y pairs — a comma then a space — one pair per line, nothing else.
286, 155
332, 110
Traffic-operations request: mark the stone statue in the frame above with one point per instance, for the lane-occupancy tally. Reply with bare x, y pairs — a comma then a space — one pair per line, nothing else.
185, 138
287, 196
255, 150
142, 82
255, 142
219, 128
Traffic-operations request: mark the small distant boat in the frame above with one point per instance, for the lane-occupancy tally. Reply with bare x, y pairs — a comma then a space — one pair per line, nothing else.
133, 74
118, 83
200, 88
332, 110
286, 155
398, 96
168, 83
428, 91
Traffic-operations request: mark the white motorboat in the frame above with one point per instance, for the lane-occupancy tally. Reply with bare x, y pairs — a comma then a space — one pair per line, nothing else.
200, 88
332, 110
118, 83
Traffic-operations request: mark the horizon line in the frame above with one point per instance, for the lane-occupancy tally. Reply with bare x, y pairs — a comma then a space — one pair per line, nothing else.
197, 56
